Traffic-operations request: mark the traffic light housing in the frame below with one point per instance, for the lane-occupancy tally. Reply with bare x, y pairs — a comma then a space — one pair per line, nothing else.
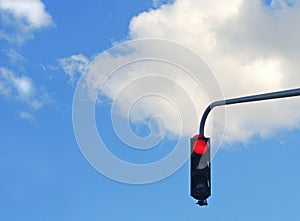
200, 169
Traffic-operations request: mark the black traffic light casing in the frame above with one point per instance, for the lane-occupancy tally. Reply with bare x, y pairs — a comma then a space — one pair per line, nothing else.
200, 170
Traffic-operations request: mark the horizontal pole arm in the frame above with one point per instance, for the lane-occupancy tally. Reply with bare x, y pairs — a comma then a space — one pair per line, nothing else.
252, 98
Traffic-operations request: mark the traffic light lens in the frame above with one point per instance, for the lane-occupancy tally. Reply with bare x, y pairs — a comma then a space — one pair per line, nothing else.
201, 187
200, 146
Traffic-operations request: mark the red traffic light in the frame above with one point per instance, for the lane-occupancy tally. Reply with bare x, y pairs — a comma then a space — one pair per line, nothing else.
200, 144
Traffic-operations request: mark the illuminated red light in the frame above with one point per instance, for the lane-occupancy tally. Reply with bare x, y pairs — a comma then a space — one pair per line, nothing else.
200, 144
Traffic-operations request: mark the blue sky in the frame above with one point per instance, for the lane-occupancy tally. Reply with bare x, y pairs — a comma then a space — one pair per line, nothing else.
46, 177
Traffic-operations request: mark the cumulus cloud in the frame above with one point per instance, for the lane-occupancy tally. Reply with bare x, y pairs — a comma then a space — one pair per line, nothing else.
20, 18
33, 11
143, 88
251, 47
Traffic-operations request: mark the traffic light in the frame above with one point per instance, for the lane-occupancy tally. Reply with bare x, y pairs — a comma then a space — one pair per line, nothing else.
200, 169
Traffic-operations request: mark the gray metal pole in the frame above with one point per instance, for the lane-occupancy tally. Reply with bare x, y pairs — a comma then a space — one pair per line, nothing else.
252, 98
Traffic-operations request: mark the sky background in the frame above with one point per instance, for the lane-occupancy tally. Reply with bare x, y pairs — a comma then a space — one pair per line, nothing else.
44, 48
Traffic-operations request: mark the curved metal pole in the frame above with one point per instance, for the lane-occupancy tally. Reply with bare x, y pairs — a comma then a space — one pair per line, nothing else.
252, 98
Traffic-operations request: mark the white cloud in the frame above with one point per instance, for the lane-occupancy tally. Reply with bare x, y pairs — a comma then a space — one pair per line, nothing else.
26, 116
33, 11
251, 48
74, 65
20, 18
23, 85
14, 57
21, 89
